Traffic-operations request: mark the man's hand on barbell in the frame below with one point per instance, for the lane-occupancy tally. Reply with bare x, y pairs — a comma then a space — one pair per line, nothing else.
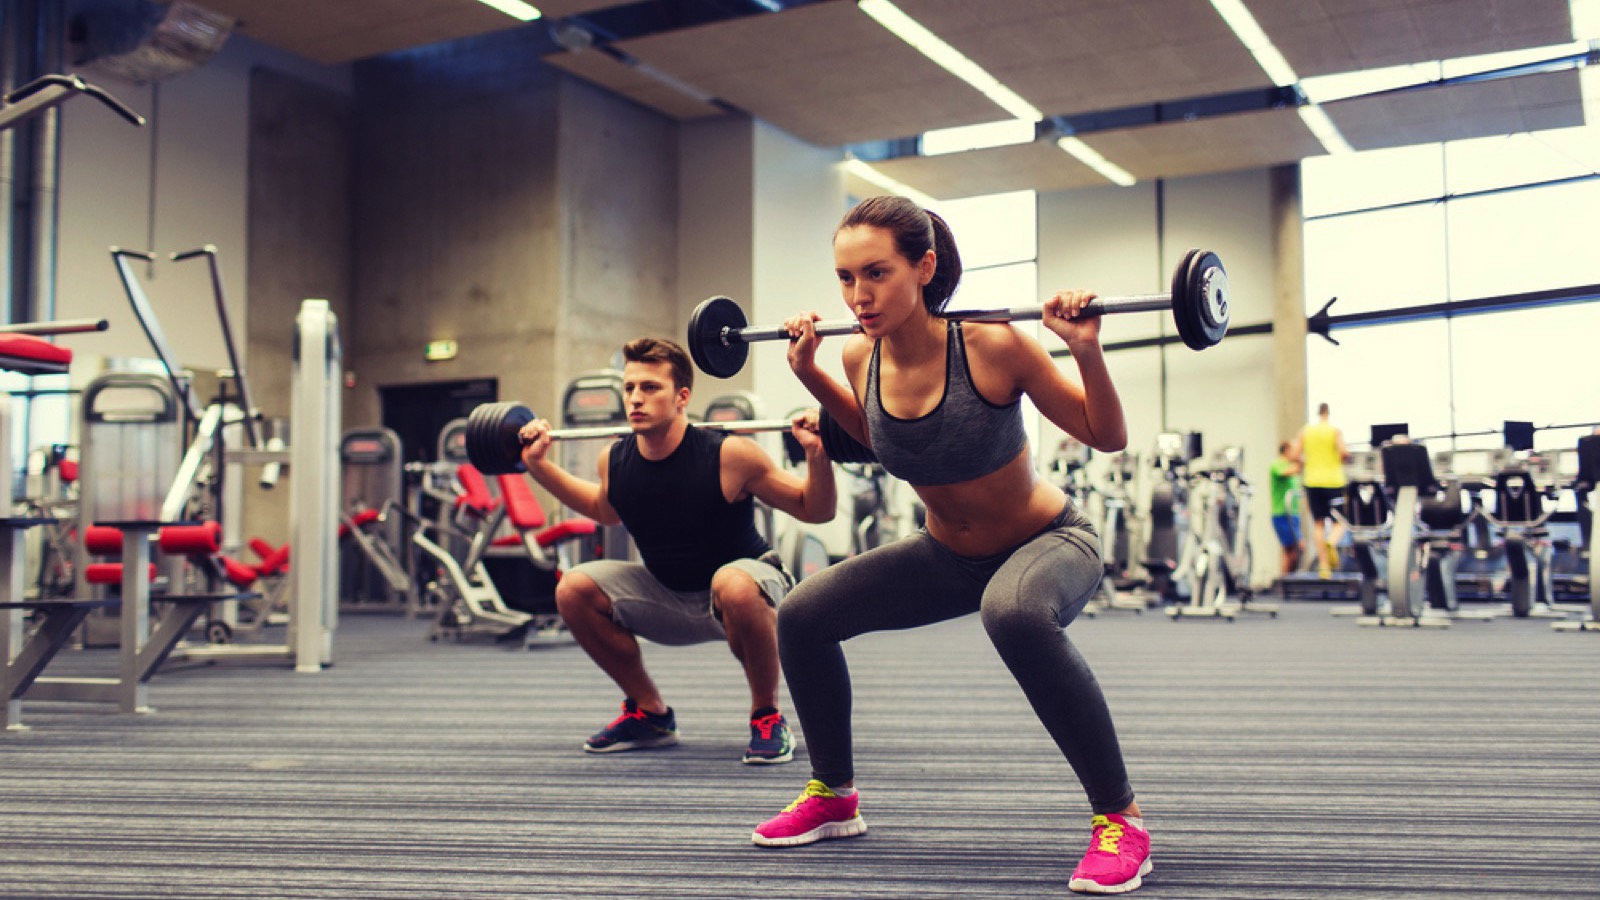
535, 437
807, 430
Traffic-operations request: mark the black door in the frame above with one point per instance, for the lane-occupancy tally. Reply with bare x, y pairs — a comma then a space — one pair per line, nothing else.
418, 412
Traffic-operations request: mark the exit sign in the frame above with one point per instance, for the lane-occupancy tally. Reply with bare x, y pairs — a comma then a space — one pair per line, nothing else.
439, 350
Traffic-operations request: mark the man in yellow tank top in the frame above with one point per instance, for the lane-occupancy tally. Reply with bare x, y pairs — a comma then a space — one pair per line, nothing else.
1320, 450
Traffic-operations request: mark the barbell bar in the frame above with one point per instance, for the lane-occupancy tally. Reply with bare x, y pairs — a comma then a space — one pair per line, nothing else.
494, 441
720, 336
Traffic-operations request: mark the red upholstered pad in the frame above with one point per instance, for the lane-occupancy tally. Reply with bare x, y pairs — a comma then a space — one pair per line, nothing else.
238, 573
69, 471
509, 540
474, 490
203, 539
566, 530
103, 540
360, 519
521, 505
27, 346
274, 560
109, 573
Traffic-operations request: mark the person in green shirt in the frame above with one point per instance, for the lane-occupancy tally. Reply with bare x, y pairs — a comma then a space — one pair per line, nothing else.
1286, 507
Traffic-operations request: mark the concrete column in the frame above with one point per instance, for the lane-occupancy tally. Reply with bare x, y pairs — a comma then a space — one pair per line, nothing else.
1288, 300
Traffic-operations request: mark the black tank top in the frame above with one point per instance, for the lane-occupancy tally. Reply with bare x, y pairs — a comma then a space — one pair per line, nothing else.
674, 510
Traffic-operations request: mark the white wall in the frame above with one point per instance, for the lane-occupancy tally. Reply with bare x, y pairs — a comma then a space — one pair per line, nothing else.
177, 183
1108, 240
799, 199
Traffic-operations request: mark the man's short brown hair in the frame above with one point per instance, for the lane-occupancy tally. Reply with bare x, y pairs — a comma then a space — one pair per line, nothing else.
660, 350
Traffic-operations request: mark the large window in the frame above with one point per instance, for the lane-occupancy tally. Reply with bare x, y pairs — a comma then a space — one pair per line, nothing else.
1468, 220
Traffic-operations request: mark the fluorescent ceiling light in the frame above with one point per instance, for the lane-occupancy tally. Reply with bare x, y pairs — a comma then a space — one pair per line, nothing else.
1347, 85
682, 87
1317, 120
516, 9
1271, 60
1488, 62
977, 137
1328, 88
867, 173
951, 60
947, 57
1091, 158
1256, 41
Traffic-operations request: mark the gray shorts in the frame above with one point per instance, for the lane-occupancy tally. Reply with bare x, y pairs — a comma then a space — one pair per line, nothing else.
651, 610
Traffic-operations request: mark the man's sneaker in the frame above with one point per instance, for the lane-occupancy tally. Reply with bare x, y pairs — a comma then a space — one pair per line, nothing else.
817, 814
1118, 858
635, 729
771, 741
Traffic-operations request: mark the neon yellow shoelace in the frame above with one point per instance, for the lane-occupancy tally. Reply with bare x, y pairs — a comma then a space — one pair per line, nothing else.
1110, 837
814, 788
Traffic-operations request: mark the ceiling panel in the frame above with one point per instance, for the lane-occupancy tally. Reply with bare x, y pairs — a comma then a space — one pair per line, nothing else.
1073, 56
615, 75
1480, 109
825, 73
336, 31
1203, 146
1040, 166
1321, 37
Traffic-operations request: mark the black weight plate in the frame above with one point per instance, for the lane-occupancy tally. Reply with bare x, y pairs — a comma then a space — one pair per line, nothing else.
706, 325
1208, 288
479, 452
493, 447
1182, 305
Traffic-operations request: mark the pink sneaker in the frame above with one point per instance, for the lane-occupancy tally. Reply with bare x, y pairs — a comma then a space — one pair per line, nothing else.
1118, 858
818, 813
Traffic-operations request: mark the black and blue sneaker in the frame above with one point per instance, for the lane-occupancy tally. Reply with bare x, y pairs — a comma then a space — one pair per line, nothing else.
635, 729
771, 741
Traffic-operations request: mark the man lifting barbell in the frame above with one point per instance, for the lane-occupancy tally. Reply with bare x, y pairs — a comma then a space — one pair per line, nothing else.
685, 495
939, 402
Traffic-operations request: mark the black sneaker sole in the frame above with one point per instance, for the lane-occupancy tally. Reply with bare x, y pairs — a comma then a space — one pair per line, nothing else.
751, 760
666, 740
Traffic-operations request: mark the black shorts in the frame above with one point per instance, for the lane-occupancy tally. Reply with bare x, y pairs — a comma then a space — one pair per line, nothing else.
1322, 501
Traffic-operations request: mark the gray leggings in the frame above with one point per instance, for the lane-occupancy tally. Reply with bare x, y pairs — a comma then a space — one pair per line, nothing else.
1025, 598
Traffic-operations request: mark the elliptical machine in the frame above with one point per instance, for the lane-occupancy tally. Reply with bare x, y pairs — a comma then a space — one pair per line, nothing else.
1520, 517
1169, 550
1368, 519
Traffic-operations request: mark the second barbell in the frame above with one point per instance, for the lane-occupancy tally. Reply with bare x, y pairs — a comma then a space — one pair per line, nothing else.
494, 436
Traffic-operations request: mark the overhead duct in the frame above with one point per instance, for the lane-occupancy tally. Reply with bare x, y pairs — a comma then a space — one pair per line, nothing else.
145, 42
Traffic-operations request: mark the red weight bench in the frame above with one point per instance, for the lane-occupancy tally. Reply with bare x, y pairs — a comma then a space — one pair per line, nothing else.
143, 647
26, 654
527, 517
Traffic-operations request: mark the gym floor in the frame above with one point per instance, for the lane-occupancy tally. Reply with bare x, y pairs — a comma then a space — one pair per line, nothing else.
1302, 757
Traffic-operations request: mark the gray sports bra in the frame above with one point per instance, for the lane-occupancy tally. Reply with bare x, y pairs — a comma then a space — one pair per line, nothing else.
963, 438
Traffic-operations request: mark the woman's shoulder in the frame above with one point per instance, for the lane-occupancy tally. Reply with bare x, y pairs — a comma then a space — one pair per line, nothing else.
996, 341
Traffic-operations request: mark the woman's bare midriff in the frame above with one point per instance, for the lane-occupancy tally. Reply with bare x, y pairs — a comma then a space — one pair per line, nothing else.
994, 513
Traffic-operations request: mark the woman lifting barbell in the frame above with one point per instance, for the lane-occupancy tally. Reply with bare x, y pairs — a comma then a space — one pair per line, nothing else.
938, 400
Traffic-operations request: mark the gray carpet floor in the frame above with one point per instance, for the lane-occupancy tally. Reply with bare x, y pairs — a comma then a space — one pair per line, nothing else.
1297, 757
